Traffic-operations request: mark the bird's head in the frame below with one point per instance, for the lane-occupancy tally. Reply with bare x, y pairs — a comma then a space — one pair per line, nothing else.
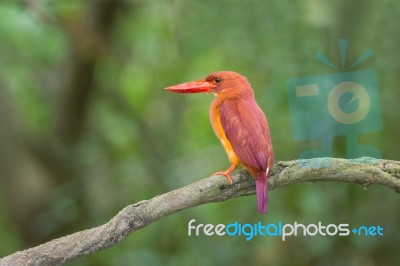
222, 83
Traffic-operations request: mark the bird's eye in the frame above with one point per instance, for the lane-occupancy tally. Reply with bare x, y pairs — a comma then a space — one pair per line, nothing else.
217, 80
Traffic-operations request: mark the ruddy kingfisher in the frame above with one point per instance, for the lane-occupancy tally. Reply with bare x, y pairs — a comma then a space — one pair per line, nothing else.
239, 124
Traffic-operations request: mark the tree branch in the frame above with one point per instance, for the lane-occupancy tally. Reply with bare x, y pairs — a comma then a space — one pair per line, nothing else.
364, 171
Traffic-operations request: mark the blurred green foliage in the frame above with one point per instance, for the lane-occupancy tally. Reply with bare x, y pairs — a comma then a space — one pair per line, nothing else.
86, 127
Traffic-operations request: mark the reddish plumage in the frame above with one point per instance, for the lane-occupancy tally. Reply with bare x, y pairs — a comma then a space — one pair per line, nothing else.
240, 124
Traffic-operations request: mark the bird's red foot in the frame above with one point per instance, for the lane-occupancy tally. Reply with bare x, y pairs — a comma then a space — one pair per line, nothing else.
227, 173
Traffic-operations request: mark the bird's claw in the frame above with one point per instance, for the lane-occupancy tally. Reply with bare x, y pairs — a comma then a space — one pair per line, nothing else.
227, 175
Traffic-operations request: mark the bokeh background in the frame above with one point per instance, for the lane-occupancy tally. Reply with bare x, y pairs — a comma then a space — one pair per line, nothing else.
86, 127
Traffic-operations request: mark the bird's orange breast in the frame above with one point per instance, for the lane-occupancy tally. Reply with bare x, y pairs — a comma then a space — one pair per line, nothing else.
219, 131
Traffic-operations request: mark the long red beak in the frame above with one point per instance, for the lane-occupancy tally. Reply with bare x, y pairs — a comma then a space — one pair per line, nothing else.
191, 87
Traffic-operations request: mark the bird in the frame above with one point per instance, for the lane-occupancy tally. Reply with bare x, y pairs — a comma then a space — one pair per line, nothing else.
240, 125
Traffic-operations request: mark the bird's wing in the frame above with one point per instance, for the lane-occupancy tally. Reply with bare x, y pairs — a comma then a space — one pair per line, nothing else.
246, 127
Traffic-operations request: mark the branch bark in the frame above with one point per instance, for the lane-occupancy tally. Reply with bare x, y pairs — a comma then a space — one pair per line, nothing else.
364, 171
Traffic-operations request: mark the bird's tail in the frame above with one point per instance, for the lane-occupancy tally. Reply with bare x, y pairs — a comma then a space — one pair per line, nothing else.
262, 192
